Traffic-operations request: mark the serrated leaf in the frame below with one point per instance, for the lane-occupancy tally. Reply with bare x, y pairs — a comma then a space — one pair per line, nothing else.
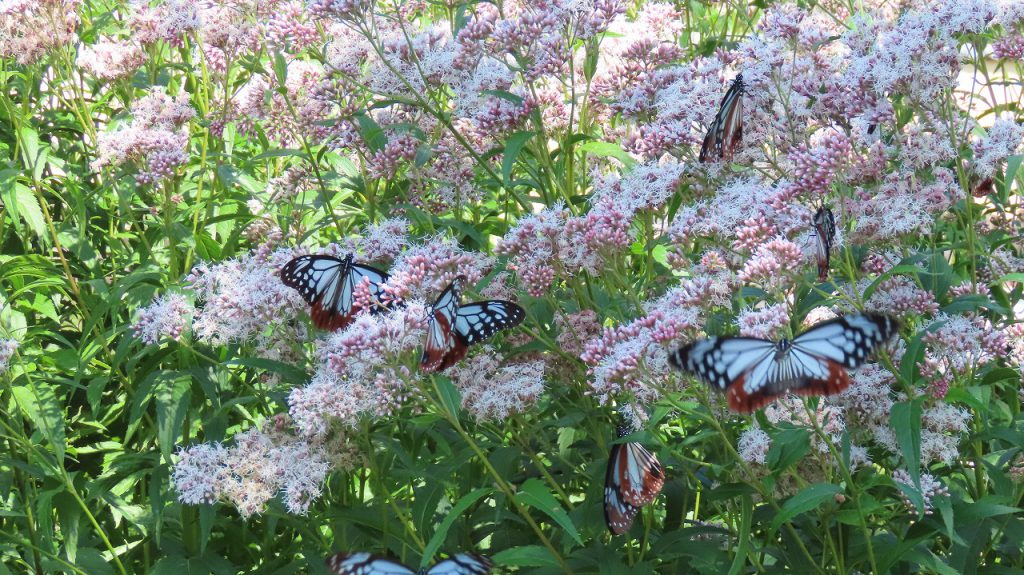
607, 150
38, 402
172, 403
526, 556
805, 500
513, 146
535, 494
22, 202
788, 447
905, 421
450, 397
454, 513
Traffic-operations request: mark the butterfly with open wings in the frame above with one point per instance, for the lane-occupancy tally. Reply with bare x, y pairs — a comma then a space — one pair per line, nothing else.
754, 372
329, 285
634, 478
454, 326
725, 133
368, 564
824, 224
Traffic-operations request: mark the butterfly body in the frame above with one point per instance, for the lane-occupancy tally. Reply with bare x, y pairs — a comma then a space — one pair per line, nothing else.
824, 223
725, 133
634, 478
754, 372
453, 327
369, 564
330, 286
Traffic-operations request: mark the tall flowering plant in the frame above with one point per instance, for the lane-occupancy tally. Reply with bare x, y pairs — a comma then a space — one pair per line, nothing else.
168, 402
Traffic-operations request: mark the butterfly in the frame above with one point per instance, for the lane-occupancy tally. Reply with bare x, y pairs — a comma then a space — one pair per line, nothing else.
634, 479
726, 131
329, 284
824, 223
454, 327
368, 564
754, 372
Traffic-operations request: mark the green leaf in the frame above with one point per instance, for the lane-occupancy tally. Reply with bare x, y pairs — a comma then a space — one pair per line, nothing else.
927, 559
172, 402
526, 556
607, 149
450, 396
788, 447
513, 146
38, 402
289, 373
983, 509
371, 132
1012, 167
905, 421
535, 494
34, 154
455, 513
22, 204
805, 500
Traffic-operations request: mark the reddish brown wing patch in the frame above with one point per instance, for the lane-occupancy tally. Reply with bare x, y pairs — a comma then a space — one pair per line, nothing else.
618, 513
652, 475
454, 355
822, 268
325, 317
741, 401
620, 516
733, 129
440, 355
838, 380
654, 480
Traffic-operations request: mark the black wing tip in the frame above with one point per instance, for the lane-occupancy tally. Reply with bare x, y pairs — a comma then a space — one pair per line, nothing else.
484, 560
677, 358
887, 324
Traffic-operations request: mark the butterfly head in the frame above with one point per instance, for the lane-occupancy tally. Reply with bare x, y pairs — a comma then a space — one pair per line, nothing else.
458, 284
782, 348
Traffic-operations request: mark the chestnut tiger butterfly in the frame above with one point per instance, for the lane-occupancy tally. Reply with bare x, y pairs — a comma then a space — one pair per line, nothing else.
754, 372
634, 478
454, 326
368, 564
725, 133
328, 284
824, 224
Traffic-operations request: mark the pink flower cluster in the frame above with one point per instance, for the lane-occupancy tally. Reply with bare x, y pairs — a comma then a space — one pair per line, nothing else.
422, 271
263, 462
956, 347
1003, 139
156, 139
931, 488
361, 370
7, 349
495, 390
167, 317
31, 28
110, 59
632, 358
241, 298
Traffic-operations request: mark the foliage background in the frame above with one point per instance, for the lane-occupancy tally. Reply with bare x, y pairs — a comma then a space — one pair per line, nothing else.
167, 408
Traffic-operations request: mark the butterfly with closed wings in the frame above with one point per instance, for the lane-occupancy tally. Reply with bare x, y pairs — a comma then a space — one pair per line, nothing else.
368, 564
634, 478
453, 327
329, 284
824, 224
754, 372
725, 133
